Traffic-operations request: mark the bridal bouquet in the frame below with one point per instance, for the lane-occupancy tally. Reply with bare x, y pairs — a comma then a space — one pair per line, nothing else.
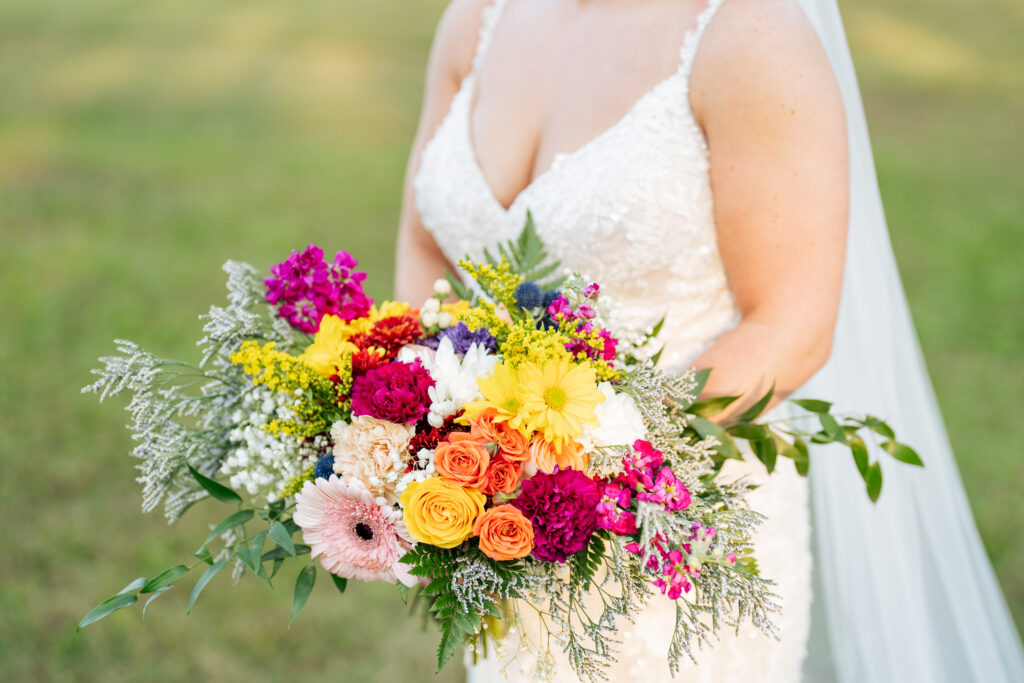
504, 447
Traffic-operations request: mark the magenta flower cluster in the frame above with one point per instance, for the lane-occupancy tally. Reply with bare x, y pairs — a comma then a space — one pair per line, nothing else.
396, 392
562, 508
305, 288
560, 310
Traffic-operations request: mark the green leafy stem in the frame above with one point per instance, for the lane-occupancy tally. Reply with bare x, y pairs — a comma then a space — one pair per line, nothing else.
785, 438
250, 551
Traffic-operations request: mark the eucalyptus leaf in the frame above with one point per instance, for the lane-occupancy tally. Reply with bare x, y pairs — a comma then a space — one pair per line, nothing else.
710, 407
749, 431
109, 605
277, 553
237, 519
813, 405
860, 455
831, 427
134, 585
753, 411
765, 451
879, 427
278, 563
215, 488
726, 447
873, 480
701, 378
282, 538
210, 572
303, 587
156, 594
903, 453
203, 555
164, 578
803, 463
656, 330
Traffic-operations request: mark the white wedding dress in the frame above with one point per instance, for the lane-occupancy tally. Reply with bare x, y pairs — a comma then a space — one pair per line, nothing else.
904, 590
632, 209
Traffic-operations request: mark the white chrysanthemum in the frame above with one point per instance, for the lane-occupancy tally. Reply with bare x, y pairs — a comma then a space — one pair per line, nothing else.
455, 379
619, 422
372, 451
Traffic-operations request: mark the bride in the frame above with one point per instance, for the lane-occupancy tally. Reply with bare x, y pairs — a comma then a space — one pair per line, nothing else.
708, 161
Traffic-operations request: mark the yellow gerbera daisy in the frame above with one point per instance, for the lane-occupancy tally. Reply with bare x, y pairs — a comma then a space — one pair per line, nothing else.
559, 398
503, 392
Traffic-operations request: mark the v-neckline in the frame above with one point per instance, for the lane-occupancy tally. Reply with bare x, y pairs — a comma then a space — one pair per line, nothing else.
559, 158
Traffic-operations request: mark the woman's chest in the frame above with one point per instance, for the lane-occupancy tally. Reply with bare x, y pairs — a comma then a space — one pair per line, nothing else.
550, 83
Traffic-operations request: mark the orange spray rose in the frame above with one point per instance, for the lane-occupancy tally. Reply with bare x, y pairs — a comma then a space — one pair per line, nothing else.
461, 459
505, 533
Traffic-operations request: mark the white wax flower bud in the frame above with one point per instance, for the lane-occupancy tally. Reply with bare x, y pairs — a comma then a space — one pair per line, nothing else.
429, 319
442, 287
445, 320
431, 305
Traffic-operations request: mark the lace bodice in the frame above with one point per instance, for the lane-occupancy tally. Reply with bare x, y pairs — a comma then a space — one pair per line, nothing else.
633, 210
634, 200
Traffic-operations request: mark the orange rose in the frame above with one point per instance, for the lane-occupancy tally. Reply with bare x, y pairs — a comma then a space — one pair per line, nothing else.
546, 456
505, 534
511, 442
462, 460
502, 476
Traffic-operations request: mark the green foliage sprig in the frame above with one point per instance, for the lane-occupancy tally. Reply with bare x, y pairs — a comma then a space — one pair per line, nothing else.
768, 441
249, 551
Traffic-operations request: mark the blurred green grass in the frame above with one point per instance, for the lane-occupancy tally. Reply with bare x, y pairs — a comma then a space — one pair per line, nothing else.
142, 144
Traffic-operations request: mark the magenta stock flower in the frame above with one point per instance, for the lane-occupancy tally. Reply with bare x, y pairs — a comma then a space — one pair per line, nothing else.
613, 510
396, 392
562, 508
668, 491
305, 288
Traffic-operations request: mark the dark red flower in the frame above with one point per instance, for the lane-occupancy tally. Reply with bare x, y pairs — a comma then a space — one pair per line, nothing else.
562, 507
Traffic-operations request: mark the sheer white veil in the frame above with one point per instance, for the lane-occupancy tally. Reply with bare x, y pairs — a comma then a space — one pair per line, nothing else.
904, 589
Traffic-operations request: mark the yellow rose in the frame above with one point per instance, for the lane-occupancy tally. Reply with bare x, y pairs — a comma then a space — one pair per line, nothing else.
440, 514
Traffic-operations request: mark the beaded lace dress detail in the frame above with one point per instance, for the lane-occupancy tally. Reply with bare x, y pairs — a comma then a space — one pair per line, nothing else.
633, 210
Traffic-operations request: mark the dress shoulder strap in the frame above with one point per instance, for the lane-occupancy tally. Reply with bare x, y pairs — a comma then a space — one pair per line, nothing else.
488, 21
693, 37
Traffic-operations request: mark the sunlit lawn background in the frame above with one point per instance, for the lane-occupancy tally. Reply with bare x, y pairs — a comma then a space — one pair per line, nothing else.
143, 143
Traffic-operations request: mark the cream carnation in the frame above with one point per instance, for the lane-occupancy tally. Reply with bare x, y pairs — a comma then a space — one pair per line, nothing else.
372, 451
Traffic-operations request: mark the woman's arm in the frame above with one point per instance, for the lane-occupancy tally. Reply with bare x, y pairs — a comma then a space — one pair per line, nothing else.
766, 96
418, 260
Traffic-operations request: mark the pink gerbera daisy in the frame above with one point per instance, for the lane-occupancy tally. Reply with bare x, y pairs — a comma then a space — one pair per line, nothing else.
353, 536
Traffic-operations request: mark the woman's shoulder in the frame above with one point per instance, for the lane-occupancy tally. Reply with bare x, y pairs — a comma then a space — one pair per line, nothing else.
457, 35
754, 48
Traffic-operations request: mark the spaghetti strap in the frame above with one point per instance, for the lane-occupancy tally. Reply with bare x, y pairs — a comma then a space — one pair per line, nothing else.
488, 21
693, 37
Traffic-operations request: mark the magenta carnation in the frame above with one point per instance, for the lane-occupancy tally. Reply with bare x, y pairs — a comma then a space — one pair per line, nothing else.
562, 507
396, 392
305, 288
